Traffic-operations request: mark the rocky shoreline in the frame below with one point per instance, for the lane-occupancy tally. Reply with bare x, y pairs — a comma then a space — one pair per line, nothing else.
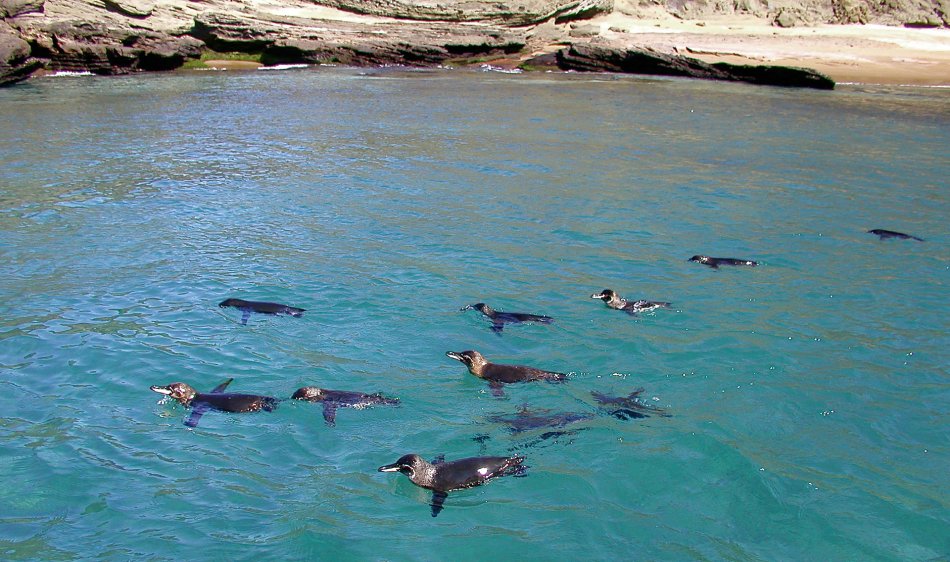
123, 36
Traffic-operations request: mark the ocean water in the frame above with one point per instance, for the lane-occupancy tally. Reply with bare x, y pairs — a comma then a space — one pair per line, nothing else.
808, 396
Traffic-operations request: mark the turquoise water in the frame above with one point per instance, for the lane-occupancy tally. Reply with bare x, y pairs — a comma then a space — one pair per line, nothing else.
809, 396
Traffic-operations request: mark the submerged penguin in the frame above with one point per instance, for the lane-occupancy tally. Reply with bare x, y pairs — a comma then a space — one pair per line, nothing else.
247, 307
497, 375
442, 477
217, 399
499, 318
333, 399
615, 301
628, 407
883, 234
525, 419
716, 262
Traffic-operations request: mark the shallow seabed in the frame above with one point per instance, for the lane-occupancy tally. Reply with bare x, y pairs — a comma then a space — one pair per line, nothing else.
809, 395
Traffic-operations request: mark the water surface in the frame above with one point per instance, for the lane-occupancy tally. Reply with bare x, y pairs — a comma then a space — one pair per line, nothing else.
809, 395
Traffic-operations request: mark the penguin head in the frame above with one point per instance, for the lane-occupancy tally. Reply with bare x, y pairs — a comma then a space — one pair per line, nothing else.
700, 259
407, 464
309, 393
176, 390
479, 306
606, 295
227, 302
472, 359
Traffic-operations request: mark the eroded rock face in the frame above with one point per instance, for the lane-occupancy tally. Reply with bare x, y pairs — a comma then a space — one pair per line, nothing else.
131, 8
787, 13
109, 49
14, 8
515, 12
15, 61
296, 40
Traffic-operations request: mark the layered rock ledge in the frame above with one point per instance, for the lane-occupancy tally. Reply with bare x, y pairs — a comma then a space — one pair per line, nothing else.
122, 36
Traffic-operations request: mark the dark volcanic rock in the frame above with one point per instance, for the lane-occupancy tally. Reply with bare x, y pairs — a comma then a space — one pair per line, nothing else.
768, 75
15, 61
590, 58
593, 58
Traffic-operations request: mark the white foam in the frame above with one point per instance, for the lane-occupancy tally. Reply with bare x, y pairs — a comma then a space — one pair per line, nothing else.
59, 73
491, 68
283, 67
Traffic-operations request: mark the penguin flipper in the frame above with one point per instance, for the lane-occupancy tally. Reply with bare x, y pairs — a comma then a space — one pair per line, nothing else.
329, 413
245, 314
497, 389
438, 499
497, 327
626, 414
197, 411
222, 386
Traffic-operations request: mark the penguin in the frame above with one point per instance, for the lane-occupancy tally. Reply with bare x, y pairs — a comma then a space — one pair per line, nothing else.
333, 399
247, 307
217, 399
628, 407
442, 477
883, 234
716, 262
497, 374
615, 301
525, 419
499, 318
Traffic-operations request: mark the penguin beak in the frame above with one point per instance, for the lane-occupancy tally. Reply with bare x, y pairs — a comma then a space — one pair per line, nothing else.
454, 355
161, 390
467, 307
389, 468
599, 296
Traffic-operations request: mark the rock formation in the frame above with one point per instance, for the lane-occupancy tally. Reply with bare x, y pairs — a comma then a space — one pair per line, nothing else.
120, 36
593, 58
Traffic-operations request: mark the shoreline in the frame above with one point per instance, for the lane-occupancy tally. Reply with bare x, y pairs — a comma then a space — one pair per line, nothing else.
862, 54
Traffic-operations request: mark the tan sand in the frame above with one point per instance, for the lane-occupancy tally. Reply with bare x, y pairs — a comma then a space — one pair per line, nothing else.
868, 54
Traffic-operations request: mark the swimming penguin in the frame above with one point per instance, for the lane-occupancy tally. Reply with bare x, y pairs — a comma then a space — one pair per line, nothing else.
217, 399
442, 477
628, 407
891, 234
333, 399
499, 319
716, 262
613, 300
525, 419
496, 374
247, 307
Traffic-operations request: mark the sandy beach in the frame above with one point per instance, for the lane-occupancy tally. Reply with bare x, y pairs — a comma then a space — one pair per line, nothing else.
867, 54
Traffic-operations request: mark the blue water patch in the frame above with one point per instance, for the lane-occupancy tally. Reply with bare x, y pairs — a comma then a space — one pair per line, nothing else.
806, 394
